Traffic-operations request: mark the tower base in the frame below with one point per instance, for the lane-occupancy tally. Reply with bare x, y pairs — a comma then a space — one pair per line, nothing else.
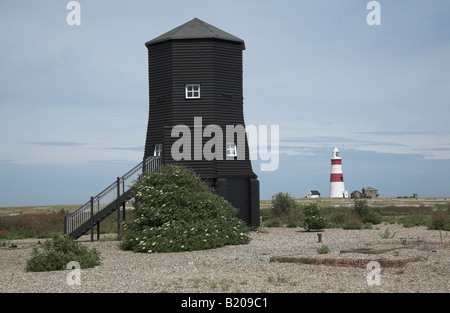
243, 194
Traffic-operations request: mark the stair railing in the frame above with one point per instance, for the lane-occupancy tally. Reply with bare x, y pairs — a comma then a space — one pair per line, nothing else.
110, 194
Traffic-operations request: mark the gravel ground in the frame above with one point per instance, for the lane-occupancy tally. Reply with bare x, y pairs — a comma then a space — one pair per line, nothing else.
247, 268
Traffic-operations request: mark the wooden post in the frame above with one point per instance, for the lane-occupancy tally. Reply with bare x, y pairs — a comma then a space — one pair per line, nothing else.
118, 206
92, 218
123, 208
98, 231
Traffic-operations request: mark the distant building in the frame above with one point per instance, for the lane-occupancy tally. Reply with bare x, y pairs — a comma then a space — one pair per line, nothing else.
370, 192
414, 196
313, 194
356, 194
367, 192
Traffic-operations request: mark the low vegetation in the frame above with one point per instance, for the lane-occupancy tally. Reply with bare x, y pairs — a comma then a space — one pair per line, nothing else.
323, 249
45, 225
36, 225
282, 211
58, 252
285, 211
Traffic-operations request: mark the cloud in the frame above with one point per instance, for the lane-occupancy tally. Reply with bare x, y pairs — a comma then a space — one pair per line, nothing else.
57, 143
428, 144
294, 152
138, 149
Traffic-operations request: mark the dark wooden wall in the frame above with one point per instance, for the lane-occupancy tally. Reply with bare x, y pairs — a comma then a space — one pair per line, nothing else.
216, 65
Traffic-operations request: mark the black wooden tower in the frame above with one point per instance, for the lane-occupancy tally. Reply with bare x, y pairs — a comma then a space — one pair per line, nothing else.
195, 78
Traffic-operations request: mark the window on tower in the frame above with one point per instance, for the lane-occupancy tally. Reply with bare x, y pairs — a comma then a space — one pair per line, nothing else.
158, 150
231, 150
193, 91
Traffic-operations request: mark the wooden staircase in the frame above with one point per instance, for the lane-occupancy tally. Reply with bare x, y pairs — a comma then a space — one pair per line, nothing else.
106, 202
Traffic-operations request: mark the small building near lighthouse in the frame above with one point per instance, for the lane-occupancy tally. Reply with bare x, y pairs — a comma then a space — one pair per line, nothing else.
313, 194
337, 187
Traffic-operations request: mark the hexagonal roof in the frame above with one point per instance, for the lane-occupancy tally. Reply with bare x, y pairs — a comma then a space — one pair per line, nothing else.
196, 29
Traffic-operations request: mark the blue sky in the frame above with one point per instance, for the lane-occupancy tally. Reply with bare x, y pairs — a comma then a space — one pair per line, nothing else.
74, 99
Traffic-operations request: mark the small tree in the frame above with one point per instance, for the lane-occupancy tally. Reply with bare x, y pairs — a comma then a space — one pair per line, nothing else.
362, 209
282, 204
313, 217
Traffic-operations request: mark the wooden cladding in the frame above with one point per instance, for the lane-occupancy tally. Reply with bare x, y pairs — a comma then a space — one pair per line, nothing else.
216, 66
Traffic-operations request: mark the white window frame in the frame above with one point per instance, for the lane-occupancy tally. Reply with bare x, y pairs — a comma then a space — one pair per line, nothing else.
158, 150
231, 150
191, 93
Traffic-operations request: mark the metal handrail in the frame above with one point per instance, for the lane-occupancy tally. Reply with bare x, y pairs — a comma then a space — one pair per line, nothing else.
110, 194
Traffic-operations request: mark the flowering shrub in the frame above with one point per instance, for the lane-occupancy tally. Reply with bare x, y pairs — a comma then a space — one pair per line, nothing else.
313, 217
176, 211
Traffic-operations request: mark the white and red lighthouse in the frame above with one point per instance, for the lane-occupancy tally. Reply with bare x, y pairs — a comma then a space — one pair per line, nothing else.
337, 188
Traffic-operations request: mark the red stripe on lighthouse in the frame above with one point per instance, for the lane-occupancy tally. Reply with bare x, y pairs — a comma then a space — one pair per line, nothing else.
336, 162
336, 177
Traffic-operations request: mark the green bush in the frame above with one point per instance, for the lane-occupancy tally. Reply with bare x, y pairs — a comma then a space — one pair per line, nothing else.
282, 204
285, 211
440, 220
354, 222
338, 219
323, 249
273, 222
313, 217
362, 209
415, 220
176, 211
58, 252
